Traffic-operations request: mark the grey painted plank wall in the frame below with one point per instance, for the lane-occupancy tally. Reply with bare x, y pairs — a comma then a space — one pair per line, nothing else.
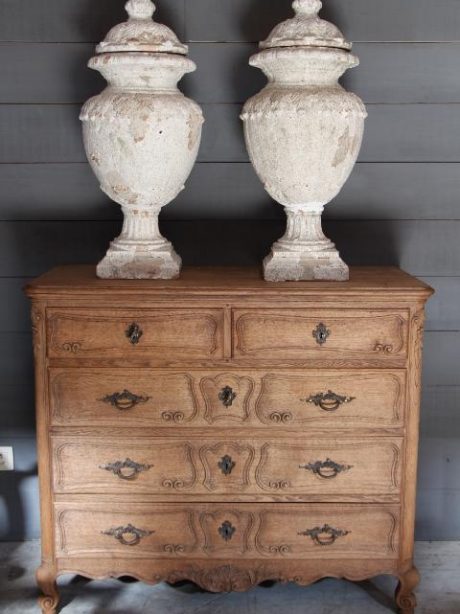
399, 207
59, 73
394, 133
230, 20
386, 191
424, 248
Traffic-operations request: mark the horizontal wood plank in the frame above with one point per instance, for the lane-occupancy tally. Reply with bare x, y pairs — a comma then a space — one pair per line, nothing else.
238, 20
395, 73
233, 191
423, 248
360, 20
75, 20
441, 358
394, 133
443, 311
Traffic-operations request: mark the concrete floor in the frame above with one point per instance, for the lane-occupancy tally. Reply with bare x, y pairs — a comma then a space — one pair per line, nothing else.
439, 591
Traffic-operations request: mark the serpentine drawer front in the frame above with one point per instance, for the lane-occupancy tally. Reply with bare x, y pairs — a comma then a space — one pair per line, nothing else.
314, 333
274, 400
176, 467
161, 334
225, 430
227, 531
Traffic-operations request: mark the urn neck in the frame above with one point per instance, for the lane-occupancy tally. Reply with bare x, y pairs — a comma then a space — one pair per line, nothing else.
304, 66
157, 72
304, 229
141, 224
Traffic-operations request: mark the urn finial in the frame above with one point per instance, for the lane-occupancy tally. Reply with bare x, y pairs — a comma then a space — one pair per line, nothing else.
140, 9
307, 7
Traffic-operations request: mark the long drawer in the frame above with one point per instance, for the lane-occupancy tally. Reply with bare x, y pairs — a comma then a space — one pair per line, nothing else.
314, 334
157, 334
219, 531
140, 397
173, 466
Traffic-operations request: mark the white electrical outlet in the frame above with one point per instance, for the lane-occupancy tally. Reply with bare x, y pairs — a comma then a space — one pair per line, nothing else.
6, 459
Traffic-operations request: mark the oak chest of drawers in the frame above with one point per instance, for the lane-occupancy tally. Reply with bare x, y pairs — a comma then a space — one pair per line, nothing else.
228, 431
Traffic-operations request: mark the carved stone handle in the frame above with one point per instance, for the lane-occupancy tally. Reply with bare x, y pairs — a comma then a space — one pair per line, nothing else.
124, 400
327, 470
325, 535
128, 535
126, 470
226, 464
321, 333
328, 401
227, 396
134, 333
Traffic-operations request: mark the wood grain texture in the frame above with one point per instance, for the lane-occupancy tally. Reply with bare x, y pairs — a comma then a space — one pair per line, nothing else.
125, 491
293, 333
365, 469
259, 530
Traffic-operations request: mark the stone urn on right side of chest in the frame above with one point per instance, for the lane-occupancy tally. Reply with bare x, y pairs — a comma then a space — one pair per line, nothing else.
303, 133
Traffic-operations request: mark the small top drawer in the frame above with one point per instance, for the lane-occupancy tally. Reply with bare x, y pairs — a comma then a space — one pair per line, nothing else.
159, 334
333, 334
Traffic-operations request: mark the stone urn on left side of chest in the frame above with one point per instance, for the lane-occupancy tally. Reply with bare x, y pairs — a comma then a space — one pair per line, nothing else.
142, 137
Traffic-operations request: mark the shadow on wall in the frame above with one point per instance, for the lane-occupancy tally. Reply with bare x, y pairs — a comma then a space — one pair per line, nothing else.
12, 504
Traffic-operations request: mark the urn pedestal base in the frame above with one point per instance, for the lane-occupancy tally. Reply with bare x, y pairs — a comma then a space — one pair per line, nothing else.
304, 266
140, 252
304, 253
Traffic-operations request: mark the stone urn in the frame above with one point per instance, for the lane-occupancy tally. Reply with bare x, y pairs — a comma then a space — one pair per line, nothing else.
141, 136
303, 132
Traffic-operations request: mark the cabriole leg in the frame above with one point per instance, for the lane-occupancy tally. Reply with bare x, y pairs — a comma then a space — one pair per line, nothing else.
405, 597
46, 580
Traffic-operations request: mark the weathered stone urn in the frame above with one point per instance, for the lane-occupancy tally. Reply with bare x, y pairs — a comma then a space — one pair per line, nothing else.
303, 133
142, 137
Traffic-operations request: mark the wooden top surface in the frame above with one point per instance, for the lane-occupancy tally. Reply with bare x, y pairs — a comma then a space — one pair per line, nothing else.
81, 279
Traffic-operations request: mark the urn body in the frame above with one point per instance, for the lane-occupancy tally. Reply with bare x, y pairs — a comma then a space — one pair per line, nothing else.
303, 133
142, 137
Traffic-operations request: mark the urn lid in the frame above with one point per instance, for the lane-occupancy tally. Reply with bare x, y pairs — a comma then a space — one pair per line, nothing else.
306, 29
141, 33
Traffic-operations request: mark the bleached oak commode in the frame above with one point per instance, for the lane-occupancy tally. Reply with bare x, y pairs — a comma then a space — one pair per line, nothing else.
225, 430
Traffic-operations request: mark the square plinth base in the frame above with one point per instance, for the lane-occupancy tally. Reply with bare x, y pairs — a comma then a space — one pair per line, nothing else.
305, 266
140, 265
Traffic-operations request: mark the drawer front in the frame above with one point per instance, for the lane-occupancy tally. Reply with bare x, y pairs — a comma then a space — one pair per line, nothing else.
158, 334
313, 334
219, 531
140, 397
333, 399
365, 467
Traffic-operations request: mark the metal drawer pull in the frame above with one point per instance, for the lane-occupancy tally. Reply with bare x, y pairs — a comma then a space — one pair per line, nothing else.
124, 400
227, 396
328, 401
325, 535
226, 464
321, 333
227, 530
134, 333
129, 535
327, 469
126, 470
